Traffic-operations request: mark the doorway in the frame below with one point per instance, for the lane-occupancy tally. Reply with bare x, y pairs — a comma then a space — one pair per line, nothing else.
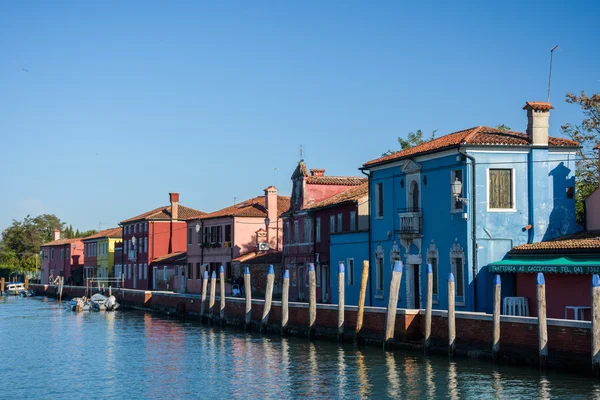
413, 279
325, 283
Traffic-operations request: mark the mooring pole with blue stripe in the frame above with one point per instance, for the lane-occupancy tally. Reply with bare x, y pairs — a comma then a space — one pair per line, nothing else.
312, 301
596, 325
341, 300
203, 301
542, 328
390, 319
496, 327
222, 295
248, 290
213, 289
428, 307
451, 317
285, 292
268, 299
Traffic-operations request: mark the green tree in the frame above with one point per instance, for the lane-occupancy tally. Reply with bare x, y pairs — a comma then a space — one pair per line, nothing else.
85, 233
502, 127
412, 139
587, 133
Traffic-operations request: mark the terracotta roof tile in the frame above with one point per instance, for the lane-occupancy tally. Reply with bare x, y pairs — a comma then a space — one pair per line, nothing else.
254, 207
262, 257
538, 106
587, 240
336, 180
162, 213
349, 195
116, 233
174, 257
62, 242
479, 135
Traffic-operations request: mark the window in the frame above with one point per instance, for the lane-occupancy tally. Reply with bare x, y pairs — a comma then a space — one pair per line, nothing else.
198, 272
145, 271
189, 236
379, 200
286, 233
500, 189
206, 234
457, 262
126, 246
339, 222
457, 205
145, 245
350, 271
433, 259
228, 269
199, 237
219, 234
318, 229
307, 228
128, 271
140, 245
140, 271
134, 228
145, 227
318, 275
331, 223
228, 233
296, 232
379, 272
352, 221
62, 254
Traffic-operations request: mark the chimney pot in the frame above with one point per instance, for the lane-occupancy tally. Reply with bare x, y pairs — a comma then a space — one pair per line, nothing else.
57, 234
174, 198
538, 114
317, 172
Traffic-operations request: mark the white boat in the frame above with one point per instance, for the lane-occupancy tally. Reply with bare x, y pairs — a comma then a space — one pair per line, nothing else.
83, 302
13, 288
100, 302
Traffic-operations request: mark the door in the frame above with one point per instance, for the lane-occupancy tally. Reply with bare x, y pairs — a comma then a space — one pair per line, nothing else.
413, 298
325, 283
300, 283
182, 280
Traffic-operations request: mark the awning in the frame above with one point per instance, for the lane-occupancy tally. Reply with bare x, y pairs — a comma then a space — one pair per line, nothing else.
557, 265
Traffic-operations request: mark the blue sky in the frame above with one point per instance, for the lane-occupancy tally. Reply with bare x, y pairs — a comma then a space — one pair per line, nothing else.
126, 101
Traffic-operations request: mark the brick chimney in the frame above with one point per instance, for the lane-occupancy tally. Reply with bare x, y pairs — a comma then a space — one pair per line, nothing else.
174, 198
538, 114
57, 234
271, 203
317, 172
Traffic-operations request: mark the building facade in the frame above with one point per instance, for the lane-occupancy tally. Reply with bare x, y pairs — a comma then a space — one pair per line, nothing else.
61, 257
592, 205
150, 235
464, 200
99, 254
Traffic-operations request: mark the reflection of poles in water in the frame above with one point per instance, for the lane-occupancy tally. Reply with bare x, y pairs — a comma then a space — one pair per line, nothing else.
285, 362
392, 373
543, 389
342, 380
313, 367
363, 377
429, 379
453, 391
411, 373
497, 385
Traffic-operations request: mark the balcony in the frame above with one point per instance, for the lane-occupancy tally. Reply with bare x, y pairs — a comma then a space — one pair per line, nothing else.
411, 223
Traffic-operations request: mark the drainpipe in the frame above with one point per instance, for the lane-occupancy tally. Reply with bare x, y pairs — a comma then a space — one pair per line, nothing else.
369, 231
474, 226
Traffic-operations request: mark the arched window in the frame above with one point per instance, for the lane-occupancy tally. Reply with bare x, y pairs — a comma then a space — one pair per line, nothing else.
414, 195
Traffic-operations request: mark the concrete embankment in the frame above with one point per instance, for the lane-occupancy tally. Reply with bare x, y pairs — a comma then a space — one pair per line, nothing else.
569, 342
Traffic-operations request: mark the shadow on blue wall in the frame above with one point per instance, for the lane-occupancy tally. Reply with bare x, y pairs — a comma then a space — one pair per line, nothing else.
562, 217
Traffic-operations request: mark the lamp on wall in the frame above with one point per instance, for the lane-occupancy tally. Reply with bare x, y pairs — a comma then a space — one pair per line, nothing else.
197, 228
457, 191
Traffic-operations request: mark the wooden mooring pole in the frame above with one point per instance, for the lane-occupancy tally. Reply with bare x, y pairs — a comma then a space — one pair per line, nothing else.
2, 285
26, 283
542, 328
248, 290
428, 309
341, 301
61, 283
222, 295
203, 299
361, 301
596, 325
285, 291
312, 301
268, 299
496, 327
211, 302
390, 319
451, 317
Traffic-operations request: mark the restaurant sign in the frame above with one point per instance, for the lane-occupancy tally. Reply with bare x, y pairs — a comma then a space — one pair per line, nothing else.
549, 269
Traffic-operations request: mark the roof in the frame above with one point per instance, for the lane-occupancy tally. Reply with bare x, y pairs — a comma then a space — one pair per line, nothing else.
254, 207
171, 258
300, 170
336, 180
116, 233
349, 195
62, 242
164, 213
478, 136
586, 240
538, 106
262, 257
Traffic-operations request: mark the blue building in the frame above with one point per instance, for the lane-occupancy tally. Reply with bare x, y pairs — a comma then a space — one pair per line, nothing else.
459, 202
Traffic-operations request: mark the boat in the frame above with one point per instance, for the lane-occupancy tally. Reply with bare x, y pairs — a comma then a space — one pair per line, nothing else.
27, 293
79, 304
13, 288
99, 302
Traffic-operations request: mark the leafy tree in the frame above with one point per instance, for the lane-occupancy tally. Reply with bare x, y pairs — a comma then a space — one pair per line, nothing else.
502, 127
587, 133
85, 233
412, 139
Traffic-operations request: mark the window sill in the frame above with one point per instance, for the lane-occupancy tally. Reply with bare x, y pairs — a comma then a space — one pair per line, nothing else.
457, 211
502, 210
381, 217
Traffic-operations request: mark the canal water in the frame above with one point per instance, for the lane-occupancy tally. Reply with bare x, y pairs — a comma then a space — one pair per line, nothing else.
49, 352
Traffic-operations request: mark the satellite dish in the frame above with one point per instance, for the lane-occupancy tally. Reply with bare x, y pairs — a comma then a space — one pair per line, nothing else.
197, 227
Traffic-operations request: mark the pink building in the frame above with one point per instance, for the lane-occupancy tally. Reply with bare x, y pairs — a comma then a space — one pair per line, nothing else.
592, 207
299, 224
62, 257
217, 238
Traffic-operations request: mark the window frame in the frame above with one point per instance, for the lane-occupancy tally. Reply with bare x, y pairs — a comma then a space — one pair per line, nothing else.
318, 229
340, 222
379, 214
350, 269
434, 254
513, 191
457, 253
307, 229
379, 273
296, 231
332, 223
353, 227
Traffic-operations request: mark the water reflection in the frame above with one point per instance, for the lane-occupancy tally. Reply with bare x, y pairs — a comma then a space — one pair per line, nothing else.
137, 355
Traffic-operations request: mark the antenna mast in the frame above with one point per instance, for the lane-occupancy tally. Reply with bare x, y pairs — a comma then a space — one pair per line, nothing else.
550, 74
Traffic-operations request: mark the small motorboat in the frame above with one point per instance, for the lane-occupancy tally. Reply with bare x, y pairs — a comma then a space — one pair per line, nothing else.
14, 288
99, 302
27, 293
79, 304
235, 290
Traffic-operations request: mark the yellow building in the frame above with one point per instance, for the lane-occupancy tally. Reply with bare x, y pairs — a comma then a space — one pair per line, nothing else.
99, 253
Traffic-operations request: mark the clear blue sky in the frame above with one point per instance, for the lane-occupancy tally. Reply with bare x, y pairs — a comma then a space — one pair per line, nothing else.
126, 101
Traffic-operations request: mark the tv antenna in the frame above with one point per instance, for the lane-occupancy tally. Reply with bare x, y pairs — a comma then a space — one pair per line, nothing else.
301, 153
550, 74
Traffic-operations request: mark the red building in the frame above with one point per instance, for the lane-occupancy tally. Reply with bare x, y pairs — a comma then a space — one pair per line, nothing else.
151, 235
62, 257
300, 226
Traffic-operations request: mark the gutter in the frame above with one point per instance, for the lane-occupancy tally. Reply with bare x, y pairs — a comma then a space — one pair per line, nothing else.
474, 226
369, 229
